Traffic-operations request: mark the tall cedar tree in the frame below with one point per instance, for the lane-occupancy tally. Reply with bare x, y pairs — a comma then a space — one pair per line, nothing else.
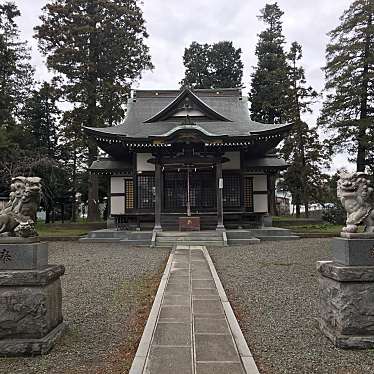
270, 83
73, 154
16, 81
348, 108
98, 47
301, 149
16, 78
42, 121
215, 65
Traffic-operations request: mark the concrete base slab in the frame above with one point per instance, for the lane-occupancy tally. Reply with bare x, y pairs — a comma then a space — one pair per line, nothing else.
209, 238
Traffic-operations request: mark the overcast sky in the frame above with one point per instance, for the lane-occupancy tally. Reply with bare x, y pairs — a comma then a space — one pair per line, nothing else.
173, 24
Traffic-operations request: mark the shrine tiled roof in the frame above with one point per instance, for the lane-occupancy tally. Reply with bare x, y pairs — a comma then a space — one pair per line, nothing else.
214, 112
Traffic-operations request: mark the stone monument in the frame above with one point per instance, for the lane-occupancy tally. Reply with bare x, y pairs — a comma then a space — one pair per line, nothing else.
346, 284
30, 288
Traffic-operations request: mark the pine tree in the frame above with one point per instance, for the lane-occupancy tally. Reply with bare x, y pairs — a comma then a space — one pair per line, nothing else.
269, 87
348, 108
98, 47
215, 65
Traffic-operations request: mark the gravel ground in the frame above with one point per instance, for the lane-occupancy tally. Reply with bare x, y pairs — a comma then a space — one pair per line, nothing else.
107, 289
273, 288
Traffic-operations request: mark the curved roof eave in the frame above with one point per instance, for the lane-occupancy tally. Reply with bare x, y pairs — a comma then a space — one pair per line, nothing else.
189, 128
278, 128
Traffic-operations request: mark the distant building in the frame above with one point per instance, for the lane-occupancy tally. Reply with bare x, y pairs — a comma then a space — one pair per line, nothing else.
3, 202
284, 203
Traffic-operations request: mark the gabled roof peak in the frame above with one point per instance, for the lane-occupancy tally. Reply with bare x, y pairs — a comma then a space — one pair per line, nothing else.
187, 101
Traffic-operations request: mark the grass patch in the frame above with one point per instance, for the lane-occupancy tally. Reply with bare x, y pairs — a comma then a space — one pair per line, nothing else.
67, 228
317, 228
44, 230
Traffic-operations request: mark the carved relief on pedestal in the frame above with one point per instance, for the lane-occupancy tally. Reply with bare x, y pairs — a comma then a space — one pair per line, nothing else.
23, 311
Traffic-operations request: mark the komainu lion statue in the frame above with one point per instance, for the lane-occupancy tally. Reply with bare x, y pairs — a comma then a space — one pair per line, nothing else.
19, 215
356, 196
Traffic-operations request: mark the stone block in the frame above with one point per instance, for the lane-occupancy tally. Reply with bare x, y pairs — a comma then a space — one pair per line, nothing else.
211, 326
175, 313
219, 368
211, 347
173, 334
209, 307
30, 310
23, 256
169, 360
345, 273
346, 305
353, 252
189, 223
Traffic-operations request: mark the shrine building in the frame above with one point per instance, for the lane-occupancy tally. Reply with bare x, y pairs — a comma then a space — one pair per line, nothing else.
190, 159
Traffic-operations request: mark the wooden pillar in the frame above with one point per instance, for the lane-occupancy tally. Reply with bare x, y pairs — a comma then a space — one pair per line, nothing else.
219, 187
158, 184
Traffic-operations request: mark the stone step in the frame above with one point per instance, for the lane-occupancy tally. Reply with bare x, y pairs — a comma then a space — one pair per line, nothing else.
246, 241
100, 240
178, 238
212, 243
269, 231
107, 233
137, 242
188, 234
185, 238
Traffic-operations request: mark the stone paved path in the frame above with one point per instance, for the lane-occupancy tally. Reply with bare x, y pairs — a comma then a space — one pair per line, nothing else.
191, 328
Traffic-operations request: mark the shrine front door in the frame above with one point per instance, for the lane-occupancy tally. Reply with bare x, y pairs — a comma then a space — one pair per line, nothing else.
197, 186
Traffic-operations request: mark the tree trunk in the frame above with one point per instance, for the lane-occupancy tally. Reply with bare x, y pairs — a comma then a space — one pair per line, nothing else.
74, 190
306, 205
92, 83
47, 215
361, 137
93, 191
297, 204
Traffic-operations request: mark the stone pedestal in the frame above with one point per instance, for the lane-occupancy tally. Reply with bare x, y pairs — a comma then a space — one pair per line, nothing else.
30, 299
346, 294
